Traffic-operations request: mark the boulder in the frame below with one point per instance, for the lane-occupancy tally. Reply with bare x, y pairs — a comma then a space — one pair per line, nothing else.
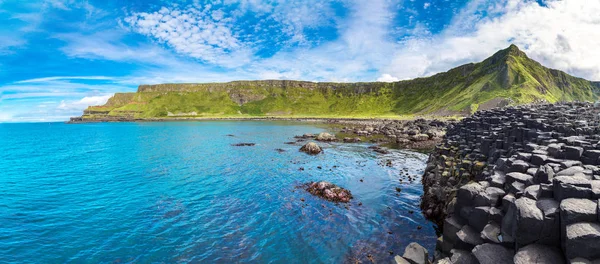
311, 148
544, 174
479, 217
539, 254
467, 193
519, 166
416, 254
329, 191
574, 210
571, 187
573, 153
490, 233
324, 136
468, 238
463, 257
529, 221
581, 241
452, 225
493, 254
523, 178
549, 207
401, 260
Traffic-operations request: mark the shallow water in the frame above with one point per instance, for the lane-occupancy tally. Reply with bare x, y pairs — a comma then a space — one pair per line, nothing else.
179, 192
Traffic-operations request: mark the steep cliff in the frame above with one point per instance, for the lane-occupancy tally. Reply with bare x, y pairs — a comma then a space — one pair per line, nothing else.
507, 77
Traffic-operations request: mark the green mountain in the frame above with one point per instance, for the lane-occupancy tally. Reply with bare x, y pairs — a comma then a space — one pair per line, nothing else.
507, 77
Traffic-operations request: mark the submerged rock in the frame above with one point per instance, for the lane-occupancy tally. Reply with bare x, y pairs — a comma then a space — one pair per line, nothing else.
329, 191
243, 144
311, 148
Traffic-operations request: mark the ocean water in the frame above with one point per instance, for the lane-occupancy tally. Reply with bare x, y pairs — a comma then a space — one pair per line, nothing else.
179, 192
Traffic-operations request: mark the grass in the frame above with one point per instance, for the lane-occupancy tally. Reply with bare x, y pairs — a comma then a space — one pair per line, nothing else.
508, 74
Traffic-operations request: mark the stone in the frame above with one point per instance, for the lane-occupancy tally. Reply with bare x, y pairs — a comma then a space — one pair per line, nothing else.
574, 210
329, 191
452, 225
416, 254
539, 254
479, 217
466, 194
529, 221
523, 178
549, 207
311, 148
532, 192
544, 174
401, 260
581, 241
519, 166
490, 233
324, 136
492, 196
573, 153
468, 238
538, 159
497, 179
493, 254
445, 260
571, 171
463, 257
571, 187
570, 163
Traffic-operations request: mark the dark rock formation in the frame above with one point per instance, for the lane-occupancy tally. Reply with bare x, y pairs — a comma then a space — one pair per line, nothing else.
522, 181
329, 191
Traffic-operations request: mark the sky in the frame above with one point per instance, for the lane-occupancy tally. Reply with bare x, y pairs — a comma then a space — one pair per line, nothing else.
59, 56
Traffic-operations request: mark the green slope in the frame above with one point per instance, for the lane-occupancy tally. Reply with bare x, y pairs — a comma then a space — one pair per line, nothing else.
507, 77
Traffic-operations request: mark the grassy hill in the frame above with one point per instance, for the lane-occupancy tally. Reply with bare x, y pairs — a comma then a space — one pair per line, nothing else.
507, 77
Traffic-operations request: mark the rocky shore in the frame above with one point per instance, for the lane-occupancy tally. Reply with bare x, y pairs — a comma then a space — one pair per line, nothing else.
518, 185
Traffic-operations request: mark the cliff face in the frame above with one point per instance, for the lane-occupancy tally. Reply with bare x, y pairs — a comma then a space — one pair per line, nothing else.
507, 77
508, 184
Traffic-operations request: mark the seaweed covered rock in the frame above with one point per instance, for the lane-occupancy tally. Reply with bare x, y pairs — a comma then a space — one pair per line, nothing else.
329, 191
311, 148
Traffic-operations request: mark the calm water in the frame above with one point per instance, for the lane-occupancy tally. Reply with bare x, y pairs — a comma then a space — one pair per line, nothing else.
179, 192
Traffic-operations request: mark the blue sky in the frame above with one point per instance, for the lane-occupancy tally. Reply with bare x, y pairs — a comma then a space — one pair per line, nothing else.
59, 56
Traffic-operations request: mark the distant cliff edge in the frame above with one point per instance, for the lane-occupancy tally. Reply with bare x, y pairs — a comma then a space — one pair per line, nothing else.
508, 77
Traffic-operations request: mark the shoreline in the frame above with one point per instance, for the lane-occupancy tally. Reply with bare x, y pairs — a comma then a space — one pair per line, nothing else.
349, 120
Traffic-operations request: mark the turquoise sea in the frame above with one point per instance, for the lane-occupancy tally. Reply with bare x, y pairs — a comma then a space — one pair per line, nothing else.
179, 192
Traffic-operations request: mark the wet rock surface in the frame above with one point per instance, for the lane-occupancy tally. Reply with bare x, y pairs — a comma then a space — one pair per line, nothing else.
329, 191
518, 185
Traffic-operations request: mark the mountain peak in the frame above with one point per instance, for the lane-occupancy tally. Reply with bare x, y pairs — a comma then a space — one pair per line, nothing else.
512, 50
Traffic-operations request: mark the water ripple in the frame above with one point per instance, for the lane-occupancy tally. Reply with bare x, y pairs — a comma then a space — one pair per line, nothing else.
179, 192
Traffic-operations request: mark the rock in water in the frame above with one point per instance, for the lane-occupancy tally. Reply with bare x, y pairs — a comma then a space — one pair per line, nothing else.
329, 191
416, 254
325, 137
243, 144
311, 148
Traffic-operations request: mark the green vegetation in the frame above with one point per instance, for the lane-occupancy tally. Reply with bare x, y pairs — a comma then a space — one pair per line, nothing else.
508, 77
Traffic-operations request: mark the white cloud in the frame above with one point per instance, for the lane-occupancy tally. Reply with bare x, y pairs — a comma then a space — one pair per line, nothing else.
387, 78
60, 78
83, 103
426, 5
193, 32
